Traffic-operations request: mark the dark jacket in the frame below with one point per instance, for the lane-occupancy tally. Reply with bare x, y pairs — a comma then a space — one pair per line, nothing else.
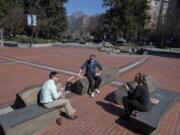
141, 93
91, 67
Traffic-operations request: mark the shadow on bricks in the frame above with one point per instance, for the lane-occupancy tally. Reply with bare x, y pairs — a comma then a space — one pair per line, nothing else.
115, 110
111, 97
110, 108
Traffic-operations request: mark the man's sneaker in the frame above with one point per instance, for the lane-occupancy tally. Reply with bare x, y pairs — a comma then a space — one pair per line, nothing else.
97, 91
89, 92
92, 95
72, 117
59, 121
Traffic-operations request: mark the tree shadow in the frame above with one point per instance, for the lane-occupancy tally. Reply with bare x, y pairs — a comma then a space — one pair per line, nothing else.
115, 110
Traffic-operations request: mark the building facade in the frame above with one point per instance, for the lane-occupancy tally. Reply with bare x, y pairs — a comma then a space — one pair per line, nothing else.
157, 13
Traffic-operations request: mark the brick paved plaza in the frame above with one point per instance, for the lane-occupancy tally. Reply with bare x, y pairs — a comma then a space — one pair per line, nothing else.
96, 116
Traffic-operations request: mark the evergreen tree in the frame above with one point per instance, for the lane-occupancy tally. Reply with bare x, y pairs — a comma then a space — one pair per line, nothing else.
125, 17
56, 18
51, 15
12, 16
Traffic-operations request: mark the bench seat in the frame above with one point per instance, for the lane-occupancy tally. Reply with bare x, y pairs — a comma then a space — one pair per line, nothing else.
27, 120
147, 122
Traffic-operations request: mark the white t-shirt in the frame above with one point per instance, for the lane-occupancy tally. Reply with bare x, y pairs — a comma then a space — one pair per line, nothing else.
49, 92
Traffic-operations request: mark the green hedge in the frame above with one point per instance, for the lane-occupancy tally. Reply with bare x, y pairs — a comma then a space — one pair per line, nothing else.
36, 40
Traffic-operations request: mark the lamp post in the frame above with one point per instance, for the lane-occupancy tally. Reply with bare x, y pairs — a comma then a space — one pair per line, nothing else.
31, 18
28, 18
1, 37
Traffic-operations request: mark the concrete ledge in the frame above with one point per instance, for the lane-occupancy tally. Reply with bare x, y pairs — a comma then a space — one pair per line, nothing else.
109, 75
81, 85
119, 94
147, 122
27, 120
29, 96
29, 116
121, 91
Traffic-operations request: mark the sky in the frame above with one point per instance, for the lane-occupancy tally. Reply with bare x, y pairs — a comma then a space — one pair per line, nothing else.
89, 7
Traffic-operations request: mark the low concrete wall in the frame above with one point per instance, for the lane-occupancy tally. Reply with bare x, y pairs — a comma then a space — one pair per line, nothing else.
34, 125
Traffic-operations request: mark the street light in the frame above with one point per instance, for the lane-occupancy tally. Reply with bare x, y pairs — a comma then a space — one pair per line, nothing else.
31, 18
1, 37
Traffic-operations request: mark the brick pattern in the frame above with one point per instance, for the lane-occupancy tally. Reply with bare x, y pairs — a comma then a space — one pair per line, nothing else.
3, 61
15, 77
170, 125
164, 70
97, 116
67, 58
18, 77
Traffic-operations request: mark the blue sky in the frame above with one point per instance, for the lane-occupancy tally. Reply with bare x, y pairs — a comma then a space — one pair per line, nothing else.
89, 7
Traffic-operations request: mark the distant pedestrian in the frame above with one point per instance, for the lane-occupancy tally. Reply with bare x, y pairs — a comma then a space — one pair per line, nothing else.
1, 43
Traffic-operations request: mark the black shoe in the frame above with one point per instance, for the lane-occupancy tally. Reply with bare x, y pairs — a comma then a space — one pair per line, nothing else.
89, 92
126, 117
73, 117
59, 121
135, 114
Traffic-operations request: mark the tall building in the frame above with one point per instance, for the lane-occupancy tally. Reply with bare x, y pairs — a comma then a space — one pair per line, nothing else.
157, 12
79, 24
84, 21
72, 20
173, 21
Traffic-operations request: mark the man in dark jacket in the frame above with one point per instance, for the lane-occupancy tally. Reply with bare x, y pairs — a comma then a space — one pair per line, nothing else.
92, 74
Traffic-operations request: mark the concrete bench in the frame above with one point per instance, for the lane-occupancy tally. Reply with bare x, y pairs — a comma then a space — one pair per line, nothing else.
29, 96
28, 116
26, 97
27, 120
81, 85
147, 122
121, 91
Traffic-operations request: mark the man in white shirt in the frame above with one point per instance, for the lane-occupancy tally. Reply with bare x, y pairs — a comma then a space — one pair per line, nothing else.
51, 98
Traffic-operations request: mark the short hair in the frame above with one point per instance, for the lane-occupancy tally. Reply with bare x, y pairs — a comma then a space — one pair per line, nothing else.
52, 74
92, 55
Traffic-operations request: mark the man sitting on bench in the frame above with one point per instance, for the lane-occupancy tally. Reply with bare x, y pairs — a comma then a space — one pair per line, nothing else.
138, 98
50, 98
93, 76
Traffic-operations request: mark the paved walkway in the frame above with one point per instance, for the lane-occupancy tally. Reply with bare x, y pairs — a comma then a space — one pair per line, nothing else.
31, 66
100, 117
20, 68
